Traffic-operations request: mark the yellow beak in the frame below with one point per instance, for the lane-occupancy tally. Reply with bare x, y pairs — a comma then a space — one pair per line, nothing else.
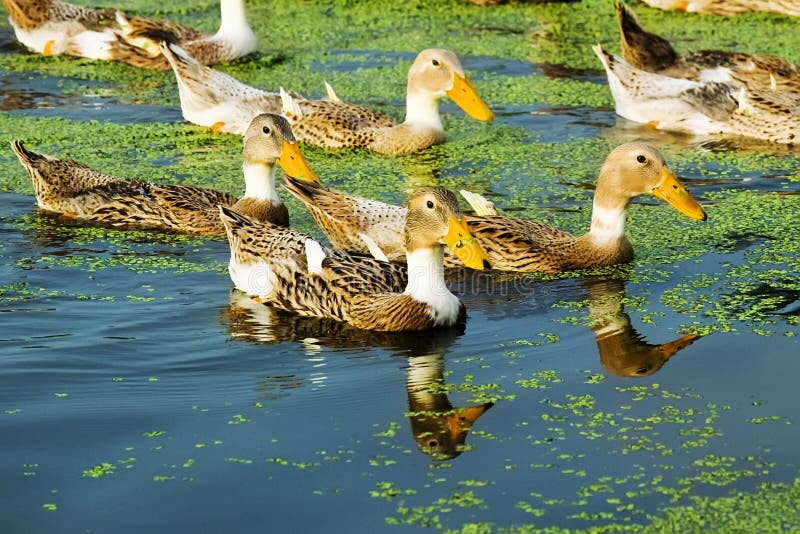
293, 163
672, 191
464, 246
463, 419
467, 99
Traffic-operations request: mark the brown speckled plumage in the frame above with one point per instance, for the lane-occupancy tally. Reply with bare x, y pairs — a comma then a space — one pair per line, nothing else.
78, 191
273, 264
72, 188
55, 27
652, 53
344, 218
512, 244
528, 246
703, 108
211, 98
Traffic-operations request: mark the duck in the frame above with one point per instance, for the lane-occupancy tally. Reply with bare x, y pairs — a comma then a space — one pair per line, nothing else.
291, 271
52, 27
653, 53
76, 191
518, 245
214, 99
728, 7
698, 107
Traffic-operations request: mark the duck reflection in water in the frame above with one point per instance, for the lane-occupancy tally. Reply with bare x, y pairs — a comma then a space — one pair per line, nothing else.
439, 429
623, 351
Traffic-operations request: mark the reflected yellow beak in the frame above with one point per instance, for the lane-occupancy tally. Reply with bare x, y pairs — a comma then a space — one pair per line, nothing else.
293, 163
467, 99
672, 191
673, 347
463, 419
464, 246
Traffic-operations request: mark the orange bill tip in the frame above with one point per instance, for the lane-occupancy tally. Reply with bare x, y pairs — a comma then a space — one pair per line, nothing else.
465, 96
670, 190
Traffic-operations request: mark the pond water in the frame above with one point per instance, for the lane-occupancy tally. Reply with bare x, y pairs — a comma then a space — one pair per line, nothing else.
139, 391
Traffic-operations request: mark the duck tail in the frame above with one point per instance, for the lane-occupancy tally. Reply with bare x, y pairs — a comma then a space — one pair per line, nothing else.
26, 157
304, 190
233, 220
331, 93
642, 49
628, 24
290, 107
315, 255
39, 169
482, 206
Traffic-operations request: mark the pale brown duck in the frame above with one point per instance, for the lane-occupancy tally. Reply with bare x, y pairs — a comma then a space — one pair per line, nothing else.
77, 191
52, 27
291, 271
214, 99
365, 226
652, 53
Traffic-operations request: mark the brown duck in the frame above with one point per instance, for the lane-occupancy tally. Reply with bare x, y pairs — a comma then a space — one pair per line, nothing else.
291, 271
728, 7
652, 53
77, 191
364, 226
52, 27
214, 99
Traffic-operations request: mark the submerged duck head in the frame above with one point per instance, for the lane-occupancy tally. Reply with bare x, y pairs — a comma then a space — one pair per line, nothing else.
437, 73
268, 139
434, 219
638, 168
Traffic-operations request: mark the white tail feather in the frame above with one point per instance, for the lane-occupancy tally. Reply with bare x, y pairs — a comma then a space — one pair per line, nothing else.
331, 93
124, 23
314, 256
290, 108
373, 247
480, 204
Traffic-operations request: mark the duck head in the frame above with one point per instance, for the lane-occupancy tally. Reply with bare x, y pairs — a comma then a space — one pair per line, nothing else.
437, 73
434, 219
269, 139
638, 168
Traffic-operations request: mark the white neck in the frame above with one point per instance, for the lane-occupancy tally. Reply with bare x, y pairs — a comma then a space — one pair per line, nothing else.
426, 284
233, 25
607, 224
259, 182
423, 108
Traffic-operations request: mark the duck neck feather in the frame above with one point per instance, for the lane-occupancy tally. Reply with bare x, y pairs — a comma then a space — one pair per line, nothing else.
609, 212
423, 108
259, 182
426, 283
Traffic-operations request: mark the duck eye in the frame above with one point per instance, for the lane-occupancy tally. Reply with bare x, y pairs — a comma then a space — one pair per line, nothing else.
435, 62
430, 204
641, 159
266, 130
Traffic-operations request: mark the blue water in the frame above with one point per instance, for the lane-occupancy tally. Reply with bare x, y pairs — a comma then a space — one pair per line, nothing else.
199, 410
